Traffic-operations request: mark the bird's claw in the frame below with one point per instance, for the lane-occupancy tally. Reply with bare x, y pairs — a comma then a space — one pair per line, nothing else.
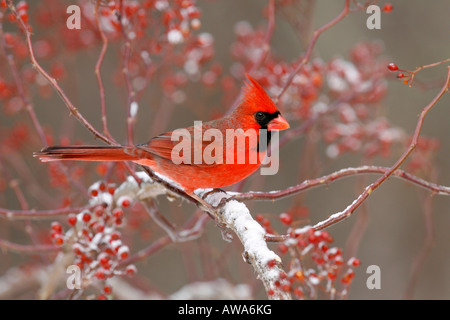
215, 190
223, 202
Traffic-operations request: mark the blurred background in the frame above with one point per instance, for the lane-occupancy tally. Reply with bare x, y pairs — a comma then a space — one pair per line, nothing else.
392, 220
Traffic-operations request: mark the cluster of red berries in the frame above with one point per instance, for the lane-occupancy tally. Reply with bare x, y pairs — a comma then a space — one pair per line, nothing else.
94, 237
355, 125
351, 130
403, 75
315, 267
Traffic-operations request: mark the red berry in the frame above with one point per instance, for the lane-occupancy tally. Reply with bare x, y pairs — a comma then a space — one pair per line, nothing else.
99, 228
300, 275
56, 226
117, 213
298, 292
331, 275
392, 67
102, 297
22, 5
12, 17
348, 277
115, 236
388, 8
131, 270
86, 217
111, 189
59, 240
94, 192
72, 219
125, 203
123, 252
99, 211
283, 248
400, 75
286, 218
354, 262
100, 275
107, 289
24, 16
271, 263
9, 39
286, 287
103, 258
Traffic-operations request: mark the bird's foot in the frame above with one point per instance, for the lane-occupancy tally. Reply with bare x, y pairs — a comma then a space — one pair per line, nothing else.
223, 202
215, 190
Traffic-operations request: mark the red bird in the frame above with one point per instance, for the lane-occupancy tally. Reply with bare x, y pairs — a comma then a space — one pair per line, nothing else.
256, 111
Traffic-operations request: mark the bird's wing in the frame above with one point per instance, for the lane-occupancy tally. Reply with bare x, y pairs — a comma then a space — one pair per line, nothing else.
183, 145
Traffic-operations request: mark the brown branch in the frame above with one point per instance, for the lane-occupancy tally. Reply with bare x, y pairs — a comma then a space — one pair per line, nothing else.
39, 214
20, 88
192, 228
327, 179
31, 249
131, 116
311, 45
424, 251
413, 73
346, 213
98, 72
52, 81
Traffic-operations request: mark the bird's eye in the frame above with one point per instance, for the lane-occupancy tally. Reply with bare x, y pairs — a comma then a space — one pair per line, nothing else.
260, 116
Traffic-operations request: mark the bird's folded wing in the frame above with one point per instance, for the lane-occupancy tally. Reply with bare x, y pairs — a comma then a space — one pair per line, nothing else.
182, 144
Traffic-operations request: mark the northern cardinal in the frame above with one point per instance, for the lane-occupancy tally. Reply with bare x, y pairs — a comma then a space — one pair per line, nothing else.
256, 111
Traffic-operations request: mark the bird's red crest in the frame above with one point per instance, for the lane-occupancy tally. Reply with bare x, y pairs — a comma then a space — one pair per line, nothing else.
256, 99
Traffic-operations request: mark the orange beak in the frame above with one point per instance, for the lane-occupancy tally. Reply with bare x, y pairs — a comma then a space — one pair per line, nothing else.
279, 123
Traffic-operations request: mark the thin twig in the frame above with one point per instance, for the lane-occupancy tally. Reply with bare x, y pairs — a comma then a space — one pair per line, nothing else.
98, 72
52, 81
31, 249
131, 114
39, 214
327, 179
311, 45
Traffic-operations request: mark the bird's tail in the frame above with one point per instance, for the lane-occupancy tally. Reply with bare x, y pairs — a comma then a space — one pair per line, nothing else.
86, 153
